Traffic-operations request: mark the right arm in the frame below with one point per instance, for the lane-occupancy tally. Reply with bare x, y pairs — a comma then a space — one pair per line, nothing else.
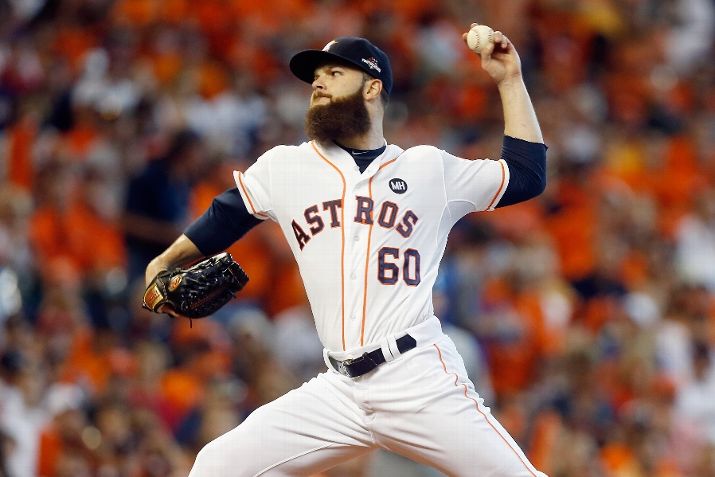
225, 222
183, 250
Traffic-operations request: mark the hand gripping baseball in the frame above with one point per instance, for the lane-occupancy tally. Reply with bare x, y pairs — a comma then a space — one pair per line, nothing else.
498, 55
198, 291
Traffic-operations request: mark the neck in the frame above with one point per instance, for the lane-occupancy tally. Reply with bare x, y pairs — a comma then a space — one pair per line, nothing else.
373, 139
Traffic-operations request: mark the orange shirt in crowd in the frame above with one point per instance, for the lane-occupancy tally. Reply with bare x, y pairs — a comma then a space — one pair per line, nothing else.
49, 451
77, 234
92, 361
21, 139
512, 362
573, 229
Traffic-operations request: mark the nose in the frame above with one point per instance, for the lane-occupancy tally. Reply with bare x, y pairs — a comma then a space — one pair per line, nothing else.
318, 83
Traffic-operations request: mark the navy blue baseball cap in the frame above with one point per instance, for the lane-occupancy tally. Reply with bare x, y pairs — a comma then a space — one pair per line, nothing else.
353, 50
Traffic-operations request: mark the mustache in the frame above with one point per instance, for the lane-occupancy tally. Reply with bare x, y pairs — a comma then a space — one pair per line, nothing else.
318, 94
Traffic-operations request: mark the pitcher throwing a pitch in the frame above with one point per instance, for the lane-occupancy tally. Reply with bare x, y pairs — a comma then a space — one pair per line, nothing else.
368, 222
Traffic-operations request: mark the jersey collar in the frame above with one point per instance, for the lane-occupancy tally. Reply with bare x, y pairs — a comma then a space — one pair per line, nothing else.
342, 159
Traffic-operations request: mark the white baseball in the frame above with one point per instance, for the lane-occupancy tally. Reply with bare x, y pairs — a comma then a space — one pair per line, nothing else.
478, 37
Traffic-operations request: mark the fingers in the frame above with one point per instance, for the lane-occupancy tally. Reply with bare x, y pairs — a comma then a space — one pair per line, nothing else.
487, 50
501, 42
169, 311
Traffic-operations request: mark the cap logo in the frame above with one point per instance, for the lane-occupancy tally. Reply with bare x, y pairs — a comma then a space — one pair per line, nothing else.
327, 47
372, 64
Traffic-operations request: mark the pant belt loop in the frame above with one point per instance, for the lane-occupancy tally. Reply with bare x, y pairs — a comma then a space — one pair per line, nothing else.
326, 353
392, 343
385, 348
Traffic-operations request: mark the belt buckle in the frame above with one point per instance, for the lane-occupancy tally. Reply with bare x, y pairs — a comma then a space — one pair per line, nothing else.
343, 366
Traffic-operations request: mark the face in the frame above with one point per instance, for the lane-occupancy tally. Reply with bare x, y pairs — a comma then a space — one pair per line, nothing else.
333, 81
337, 107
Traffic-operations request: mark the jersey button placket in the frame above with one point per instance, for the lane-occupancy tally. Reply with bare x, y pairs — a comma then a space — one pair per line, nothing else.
355, 260
352, 234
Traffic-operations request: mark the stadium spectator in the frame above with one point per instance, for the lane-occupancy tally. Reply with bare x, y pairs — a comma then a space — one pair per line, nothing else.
590, 311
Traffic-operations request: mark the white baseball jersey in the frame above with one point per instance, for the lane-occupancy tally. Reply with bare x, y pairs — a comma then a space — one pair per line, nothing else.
368, 245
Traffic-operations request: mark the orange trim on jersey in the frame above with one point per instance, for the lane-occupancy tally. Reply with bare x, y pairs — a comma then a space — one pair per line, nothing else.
248, 196
342, 241
367, 257
503, 180
476, 405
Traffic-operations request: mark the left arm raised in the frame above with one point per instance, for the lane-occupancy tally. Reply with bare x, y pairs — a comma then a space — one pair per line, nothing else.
501, 61
520, 120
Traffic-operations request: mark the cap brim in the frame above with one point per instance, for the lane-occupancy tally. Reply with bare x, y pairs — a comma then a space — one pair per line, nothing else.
304, 64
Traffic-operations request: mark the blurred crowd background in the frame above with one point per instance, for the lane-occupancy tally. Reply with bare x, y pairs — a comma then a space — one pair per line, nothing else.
586, 317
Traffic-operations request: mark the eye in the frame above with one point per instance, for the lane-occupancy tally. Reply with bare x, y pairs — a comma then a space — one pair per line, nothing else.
335, 73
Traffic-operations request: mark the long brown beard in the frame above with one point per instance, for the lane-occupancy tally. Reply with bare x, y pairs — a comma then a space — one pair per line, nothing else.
340, 119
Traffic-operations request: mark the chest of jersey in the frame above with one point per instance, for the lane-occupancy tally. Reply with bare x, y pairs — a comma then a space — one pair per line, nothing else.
365, 243
368, 245
329, 198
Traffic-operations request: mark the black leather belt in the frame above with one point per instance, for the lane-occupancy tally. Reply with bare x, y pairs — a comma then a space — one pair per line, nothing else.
353, 368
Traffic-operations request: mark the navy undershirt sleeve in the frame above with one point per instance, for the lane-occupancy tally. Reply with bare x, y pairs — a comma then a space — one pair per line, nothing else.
225, 221
527, 170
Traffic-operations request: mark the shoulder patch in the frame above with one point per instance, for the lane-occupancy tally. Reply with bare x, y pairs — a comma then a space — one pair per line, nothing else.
398, 186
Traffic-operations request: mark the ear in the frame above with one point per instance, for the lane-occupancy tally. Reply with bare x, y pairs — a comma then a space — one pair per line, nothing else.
372, 89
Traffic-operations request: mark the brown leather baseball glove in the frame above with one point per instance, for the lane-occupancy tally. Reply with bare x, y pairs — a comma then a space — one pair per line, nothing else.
198, 291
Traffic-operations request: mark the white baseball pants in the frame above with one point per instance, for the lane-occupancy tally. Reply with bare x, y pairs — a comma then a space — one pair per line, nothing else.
420, 405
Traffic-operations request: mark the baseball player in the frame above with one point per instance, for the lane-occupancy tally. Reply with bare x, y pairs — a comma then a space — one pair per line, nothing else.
367, 222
